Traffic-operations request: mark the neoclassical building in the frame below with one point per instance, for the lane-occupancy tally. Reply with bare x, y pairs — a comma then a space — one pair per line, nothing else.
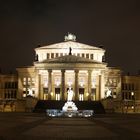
59, 66
74, 65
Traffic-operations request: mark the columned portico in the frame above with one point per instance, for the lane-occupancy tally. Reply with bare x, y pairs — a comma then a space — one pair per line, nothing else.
71, 65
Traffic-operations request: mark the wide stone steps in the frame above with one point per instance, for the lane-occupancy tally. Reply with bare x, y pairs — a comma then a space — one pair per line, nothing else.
42, 105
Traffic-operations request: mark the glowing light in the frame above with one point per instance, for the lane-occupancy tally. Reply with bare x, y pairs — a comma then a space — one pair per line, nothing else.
51, 93
24, 95
81, 82
57, 81
69, 82
132, 93
87, 94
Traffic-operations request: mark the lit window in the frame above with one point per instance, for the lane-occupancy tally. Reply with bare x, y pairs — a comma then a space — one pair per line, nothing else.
33, 81
24, 90
81, 97
57, 97
24, 81
29, 80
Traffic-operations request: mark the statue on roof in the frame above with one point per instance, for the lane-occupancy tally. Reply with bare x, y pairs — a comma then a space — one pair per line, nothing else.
70, 37
70, 50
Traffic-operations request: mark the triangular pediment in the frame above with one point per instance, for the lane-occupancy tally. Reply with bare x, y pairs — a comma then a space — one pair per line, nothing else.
67, 44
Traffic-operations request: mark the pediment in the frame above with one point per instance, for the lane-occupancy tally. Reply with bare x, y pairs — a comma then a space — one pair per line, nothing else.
67, 44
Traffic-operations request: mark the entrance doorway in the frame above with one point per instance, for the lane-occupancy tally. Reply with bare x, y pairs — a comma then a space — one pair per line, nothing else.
93, 94
45, 94
57, 94
81, 94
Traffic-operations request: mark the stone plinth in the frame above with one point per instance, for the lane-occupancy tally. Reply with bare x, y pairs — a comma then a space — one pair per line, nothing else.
69, 106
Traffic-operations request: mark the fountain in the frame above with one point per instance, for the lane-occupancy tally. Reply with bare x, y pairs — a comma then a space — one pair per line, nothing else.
69, 109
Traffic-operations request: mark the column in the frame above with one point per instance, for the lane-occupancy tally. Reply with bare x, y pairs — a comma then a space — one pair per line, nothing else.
76, 84
101, 86
99, 97
63, 84
39, 86
89, 84
49, 84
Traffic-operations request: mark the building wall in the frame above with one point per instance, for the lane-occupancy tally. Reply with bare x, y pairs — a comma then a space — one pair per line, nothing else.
26, 82
131, 87
8, 86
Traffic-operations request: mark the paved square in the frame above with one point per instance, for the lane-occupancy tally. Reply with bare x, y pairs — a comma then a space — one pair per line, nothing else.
100, 127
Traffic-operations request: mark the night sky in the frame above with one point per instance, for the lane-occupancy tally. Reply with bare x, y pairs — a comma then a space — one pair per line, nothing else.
115, 24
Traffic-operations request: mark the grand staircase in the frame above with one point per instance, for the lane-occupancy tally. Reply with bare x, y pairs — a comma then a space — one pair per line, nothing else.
42, 105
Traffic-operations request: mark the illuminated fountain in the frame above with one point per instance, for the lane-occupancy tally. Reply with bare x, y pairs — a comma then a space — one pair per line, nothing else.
69, 109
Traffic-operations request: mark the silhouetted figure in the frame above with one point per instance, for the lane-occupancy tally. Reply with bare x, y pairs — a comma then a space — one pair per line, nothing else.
70, 50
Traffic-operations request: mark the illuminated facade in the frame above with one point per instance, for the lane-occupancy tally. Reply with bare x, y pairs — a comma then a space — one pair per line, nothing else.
74, 65
69, 64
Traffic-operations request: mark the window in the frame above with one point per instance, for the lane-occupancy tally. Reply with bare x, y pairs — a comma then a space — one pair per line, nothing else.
15, 94
52, 55
129, 86
45, 90
56, 54
57, 94
5, 86
33, 81
24, 90
57, 97
132, 86
87, 55
81, 94
9, 85
9, 94
16, 85
13, 84
122, 86
83, 55
81, 97
78, 54
48, 55
24, 81
29, 81
91, 56
123, 95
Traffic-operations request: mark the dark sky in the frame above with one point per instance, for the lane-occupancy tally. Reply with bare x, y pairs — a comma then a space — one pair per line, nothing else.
115, 24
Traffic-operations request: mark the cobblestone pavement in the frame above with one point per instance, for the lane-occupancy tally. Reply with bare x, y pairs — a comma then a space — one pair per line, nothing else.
25, 126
